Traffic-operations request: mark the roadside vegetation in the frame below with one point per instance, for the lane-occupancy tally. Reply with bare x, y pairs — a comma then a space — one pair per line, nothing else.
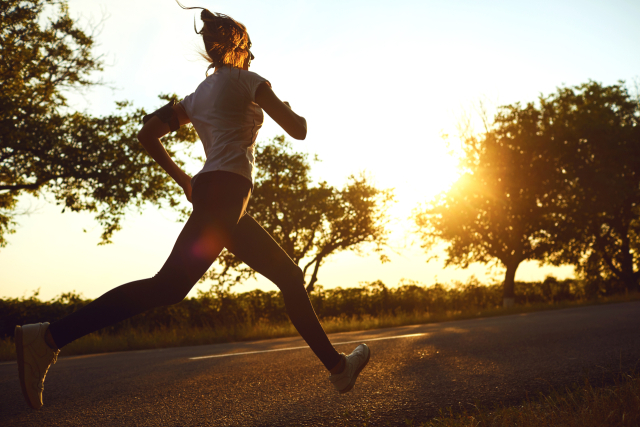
222, 316
582, 406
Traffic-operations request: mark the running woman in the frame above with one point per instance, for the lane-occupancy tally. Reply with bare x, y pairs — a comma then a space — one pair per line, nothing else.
226, 112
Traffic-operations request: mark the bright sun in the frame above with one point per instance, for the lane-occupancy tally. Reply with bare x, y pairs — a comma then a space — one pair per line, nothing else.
432, 170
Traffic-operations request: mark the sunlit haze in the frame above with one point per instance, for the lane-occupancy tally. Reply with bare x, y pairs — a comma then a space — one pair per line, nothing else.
379, 83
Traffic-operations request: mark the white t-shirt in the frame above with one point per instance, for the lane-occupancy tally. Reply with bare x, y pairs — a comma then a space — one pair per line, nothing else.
227, 119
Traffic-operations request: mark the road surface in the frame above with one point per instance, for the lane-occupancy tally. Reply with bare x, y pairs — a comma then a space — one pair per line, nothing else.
414, 371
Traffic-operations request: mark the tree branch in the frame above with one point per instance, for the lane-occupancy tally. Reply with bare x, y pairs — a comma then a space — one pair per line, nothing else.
314, 276
309, 264
19, 187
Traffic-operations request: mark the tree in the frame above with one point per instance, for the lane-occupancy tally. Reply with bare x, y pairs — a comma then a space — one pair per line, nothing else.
310, 223
87, 163
597, 130
557, 183
498, 209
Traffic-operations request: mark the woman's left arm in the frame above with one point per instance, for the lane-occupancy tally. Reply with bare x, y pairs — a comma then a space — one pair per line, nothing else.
149, 136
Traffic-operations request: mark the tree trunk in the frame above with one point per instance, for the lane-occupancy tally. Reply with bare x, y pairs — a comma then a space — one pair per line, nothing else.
314, 276
629, 277
18, 187
509, 294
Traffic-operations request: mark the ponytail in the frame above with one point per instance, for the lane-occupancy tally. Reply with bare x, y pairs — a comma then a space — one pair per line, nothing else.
226, 41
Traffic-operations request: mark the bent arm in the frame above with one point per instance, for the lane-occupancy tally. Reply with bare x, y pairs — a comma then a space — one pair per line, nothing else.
281, 113
149, 136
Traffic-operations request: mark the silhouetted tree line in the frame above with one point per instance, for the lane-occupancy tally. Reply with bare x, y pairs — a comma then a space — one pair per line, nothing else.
222, 308
557, 181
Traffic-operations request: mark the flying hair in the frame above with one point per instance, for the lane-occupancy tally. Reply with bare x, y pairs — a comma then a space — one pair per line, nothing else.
226, 41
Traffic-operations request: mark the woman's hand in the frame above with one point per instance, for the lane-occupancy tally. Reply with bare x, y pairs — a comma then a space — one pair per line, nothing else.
186, 187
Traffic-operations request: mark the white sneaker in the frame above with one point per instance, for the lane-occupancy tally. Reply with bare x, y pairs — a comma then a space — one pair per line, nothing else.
355, 362
34, 359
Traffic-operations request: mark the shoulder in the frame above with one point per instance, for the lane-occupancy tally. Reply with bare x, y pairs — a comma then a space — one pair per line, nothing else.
251, 76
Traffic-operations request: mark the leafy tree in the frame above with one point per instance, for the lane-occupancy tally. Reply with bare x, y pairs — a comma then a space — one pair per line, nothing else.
558, 183
309, 222
597, 131
498, 209
87, 163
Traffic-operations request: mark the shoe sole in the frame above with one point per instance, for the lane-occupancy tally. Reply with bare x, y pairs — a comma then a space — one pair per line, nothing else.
355, 377
20, 355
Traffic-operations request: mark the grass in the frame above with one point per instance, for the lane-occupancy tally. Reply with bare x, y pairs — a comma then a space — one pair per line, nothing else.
583, 406
133, 339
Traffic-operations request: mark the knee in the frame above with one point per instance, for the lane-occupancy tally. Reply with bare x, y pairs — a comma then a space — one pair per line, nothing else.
167, 296
297, 276
170, 291
174, 296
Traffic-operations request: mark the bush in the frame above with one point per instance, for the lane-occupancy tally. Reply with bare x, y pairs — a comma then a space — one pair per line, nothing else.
226, 309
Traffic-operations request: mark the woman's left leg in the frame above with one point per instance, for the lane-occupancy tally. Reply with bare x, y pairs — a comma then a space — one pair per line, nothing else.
219, 200
254, 246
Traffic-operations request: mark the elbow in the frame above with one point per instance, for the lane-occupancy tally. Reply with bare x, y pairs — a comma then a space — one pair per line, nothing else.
143, 137
300, 135
301, 130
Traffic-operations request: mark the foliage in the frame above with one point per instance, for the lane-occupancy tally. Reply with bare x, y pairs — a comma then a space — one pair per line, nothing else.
310, 222
223, 309
597, 131
581, 406
87, 163
558, 182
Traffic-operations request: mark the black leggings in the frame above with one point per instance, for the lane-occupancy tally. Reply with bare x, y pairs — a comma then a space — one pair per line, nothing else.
218, 220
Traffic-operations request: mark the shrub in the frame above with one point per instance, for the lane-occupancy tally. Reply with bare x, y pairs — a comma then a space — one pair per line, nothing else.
223, 309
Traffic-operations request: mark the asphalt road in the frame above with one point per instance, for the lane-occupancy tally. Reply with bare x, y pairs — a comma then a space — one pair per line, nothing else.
410, 376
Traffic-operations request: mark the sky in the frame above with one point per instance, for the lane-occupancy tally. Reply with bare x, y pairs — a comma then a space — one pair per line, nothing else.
379, 83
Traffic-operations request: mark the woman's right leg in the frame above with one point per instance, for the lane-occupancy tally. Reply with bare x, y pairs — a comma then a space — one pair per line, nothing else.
254, 246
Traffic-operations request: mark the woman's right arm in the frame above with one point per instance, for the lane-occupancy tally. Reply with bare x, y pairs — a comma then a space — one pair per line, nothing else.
149, 136
281, 113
